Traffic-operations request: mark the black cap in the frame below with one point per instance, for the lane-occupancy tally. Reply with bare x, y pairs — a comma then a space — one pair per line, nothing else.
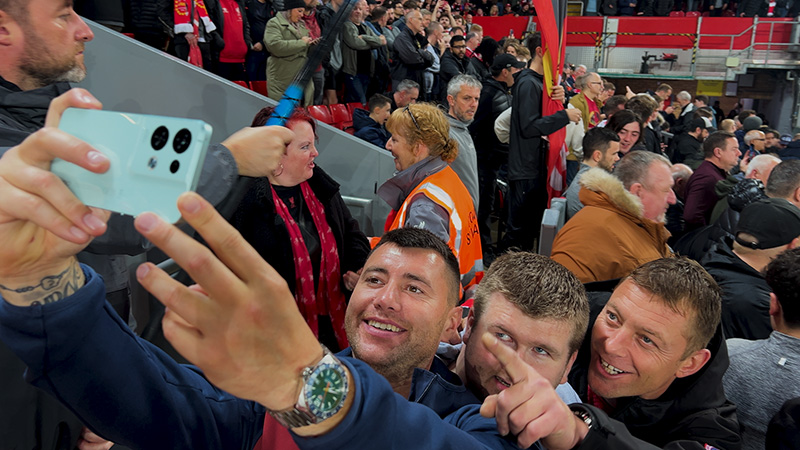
292, 4
506, 61
772, 222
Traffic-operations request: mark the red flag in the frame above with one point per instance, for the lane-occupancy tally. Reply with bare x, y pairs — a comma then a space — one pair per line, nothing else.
551, 15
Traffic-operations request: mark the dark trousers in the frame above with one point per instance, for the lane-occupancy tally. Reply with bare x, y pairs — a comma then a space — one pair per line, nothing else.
256, 64
487, 188
182, 52
527, 200
356, 88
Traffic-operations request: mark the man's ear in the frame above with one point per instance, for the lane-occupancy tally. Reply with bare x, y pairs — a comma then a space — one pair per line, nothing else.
450, 332
8, 28
597, 155
569, 367
636, 188
774, 305
470, 323
693, 363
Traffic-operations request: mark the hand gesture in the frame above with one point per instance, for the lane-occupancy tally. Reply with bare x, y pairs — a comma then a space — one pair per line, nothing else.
91, 441
240, 324
306, 39
530, 409
259, 150
42, 224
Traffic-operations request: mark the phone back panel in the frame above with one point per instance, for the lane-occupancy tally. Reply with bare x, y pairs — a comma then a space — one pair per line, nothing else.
154, 159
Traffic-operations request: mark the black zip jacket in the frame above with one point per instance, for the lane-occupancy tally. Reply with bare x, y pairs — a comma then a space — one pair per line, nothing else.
495, 98
527, 156
691, 413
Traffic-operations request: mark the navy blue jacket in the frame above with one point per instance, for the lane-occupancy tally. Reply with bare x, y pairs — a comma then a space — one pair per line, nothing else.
132, 393
369, 130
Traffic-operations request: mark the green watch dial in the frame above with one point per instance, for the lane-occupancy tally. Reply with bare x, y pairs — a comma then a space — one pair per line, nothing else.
325, 390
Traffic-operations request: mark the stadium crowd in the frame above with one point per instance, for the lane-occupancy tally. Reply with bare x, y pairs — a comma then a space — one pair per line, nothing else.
666, 315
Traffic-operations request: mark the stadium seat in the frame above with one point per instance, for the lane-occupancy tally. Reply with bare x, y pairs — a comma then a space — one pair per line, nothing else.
260, 87
341, 117
693, 14
321, 113
242, 84
352, 107
676, 14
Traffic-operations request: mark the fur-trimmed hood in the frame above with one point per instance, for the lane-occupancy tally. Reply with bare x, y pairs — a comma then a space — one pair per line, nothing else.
598, 182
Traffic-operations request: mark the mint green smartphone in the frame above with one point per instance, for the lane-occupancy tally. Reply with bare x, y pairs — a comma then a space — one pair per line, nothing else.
154, 159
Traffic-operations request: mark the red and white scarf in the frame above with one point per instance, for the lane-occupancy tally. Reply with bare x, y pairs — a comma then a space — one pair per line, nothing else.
329, 299
183, 12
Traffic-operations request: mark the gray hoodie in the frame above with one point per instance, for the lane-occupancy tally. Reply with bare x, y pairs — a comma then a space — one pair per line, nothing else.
466, 163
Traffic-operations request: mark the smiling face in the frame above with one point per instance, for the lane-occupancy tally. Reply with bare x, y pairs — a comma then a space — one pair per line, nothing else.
404, 154
298, 163
541, 343
638, 346
400, 310
52, 44
629, 136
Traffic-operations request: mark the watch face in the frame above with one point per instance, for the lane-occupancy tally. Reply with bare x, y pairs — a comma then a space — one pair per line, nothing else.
325, 390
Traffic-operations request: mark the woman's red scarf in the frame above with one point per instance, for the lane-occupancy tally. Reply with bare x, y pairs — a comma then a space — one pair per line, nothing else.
329, 299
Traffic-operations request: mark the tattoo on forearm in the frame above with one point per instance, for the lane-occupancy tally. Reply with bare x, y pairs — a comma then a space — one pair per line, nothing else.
50, 289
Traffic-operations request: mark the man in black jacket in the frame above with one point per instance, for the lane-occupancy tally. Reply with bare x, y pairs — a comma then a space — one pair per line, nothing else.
650, 374
527, 151
495, 98
410, 55
454, 62
689, 145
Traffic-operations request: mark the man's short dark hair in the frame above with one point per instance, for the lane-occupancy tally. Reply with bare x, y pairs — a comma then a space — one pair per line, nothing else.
612, 104
377, 101
470, 35
456, 38
717, 139
684, 286
533, 42
609, 86
425, 240
540, 287
783, 276
772, 132
663, 87
784, 179
411, 4
701, 98
745, 114
643, 105
456, 32
598, 139
377, 13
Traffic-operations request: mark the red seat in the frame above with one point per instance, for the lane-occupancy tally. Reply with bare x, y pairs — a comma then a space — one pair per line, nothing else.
321, 113
352, 107
341, 117
242, 84
260, 87
706, 14
728, 13
676, 14
693, 14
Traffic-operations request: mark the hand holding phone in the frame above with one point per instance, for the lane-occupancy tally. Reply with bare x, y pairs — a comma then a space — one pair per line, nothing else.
154, 159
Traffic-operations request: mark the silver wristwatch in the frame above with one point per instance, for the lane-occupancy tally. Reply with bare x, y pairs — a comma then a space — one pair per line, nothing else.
323, 394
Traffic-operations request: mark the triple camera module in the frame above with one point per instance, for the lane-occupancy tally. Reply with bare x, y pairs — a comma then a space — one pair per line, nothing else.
181, 143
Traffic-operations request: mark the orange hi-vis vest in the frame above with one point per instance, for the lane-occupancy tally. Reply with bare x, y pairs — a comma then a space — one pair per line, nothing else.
446, 189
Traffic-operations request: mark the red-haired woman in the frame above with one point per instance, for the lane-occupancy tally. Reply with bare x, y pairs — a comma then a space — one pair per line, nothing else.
296, 219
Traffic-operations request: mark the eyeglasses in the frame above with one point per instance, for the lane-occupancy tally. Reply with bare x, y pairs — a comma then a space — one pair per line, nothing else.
413, 119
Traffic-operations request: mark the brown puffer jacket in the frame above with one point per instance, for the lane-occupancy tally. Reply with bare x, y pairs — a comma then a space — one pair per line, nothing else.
609, 237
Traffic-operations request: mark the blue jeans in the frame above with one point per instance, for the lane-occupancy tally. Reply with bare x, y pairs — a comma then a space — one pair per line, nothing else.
356, 88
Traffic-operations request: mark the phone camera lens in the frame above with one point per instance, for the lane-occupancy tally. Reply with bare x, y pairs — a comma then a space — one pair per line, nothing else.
174, 166
159, 138
182, 141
